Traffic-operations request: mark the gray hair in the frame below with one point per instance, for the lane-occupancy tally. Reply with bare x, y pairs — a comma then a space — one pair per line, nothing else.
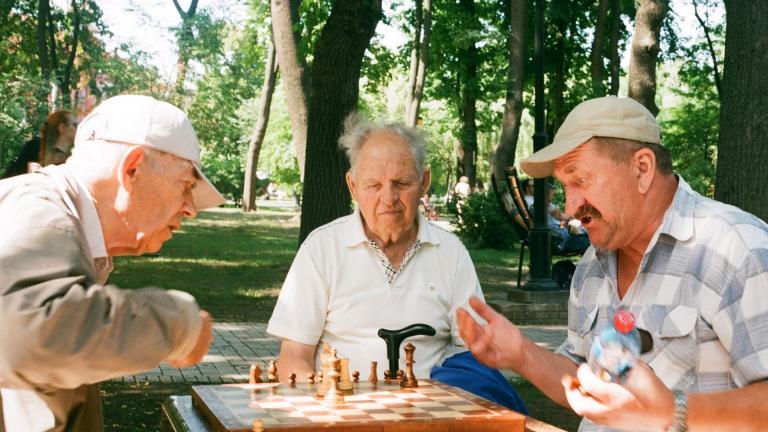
357, 129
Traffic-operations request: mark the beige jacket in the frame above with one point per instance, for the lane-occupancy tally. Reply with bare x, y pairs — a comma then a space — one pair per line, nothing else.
60, 329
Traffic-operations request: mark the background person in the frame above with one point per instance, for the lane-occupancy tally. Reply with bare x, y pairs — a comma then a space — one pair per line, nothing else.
58, 134
133, 177
693, 271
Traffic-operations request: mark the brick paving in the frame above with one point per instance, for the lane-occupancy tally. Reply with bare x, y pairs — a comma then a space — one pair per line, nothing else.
237, 345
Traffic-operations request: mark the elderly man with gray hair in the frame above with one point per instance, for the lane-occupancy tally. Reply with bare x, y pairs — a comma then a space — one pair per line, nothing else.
133, 177
383, 266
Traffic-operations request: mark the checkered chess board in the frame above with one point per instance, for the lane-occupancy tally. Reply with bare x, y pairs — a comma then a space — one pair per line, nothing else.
381, 407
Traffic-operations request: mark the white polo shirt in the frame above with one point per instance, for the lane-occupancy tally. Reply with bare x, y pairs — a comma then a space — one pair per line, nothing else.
336, 292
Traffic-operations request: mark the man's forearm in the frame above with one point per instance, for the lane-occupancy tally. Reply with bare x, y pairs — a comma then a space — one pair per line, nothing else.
743, 409
545, 369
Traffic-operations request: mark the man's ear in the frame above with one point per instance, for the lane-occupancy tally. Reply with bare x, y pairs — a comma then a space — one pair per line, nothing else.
351, 185
644, 168
130, 166
426, 180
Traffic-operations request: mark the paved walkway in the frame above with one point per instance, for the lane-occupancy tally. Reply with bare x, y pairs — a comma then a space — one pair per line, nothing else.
237, 345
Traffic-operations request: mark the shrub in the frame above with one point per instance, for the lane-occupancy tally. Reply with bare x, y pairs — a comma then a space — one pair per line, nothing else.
482, 224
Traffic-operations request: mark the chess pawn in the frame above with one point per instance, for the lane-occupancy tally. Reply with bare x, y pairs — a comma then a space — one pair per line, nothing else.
322, 380
272, 372
311, 377
373, 377
387, 375
292, 378
356, 377
254, 377
257, 426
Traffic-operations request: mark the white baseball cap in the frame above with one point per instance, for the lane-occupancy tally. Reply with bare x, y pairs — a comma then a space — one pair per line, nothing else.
143, 120
608, 116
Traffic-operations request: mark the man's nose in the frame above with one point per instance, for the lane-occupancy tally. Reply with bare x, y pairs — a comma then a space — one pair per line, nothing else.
389, 194
573, 201
188, 209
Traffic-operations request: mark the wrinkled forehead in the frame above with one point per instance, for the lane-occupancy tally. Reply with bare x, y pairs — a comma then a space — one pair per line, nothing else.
568, 162
385, 149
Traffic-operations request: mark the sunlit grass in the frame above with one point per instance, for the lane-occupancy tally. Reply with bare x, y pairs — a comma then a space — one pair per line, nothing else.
234, 263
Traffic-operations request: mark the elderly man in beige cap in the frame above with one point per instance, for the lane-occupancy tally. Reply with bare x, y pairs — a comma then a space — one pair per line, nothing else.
693, 272
133, 176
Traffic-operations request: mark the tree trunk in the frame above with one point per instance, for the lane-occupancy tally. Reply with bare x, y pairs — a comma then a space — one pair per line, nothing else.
43, 9
414, 69
710, 45
66, 82
645, 52
469, 58
741, 151
614, 47
293, 72
419, 63
597, 66
503, 155
335, 81
557, 116
414, 102
186, 39
254, 144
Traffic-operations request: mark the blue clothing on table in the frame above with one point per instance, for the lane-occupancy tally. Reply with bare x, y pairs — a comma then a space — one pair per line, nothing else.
465, 372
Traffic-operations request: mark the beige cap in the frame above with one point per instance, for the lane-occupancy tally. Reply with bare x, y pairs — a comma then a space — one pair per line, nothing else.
142, 120
608, 116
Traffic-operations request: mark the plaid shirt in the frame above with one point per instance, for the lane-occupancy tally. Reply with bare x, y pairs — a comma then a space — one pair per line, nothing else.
389, 270
701, 291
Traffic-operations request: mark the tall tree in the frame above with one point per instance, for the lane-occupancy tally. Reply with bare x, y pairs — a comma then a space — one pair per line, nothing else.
470, 90
69, 69
710, 45
742, 157
257, 138
645, 52
43, 13
419, 60
185, 40
294, 74
613, 47
597, 65
504, 153
336, 66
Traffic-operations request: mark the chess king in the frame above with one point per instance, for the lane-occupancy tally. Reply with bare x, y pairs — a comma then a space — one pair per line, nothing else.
383, 266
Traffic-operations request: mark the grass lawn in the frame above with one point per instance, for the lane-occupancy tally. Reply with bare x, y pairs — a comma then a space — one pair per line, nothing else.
234, 264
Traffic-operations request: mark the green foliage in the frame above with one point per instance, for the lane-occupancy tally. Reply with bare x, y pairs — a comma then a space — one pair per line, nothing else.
691, 126
23, 109
482, 224
200, 38
233, 78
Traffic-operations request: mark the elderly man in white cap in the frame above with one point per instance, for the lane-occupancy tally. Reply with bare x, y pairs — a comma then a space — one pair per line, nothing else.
133, 176
693, 272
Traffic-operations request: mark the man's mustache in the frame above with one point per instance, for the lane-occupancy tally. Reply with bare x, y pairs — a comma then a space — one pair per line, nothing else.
587, 210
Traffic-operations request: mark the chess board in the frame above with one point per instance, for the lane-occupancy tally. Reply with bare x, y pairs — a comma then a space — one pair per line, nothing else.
372, 407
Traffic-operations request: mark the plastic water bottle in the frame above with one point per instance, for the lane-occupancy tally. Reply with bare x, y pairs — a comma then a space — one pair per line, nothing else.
616, 349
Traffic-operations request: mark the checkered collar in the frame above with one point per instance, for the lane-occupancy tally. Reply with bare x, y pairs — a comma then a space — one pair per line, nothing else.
356, 235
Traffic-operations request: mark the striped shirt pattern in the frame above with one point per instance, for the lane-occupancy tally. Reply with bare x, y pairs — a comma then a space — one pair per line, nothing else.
701, 291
